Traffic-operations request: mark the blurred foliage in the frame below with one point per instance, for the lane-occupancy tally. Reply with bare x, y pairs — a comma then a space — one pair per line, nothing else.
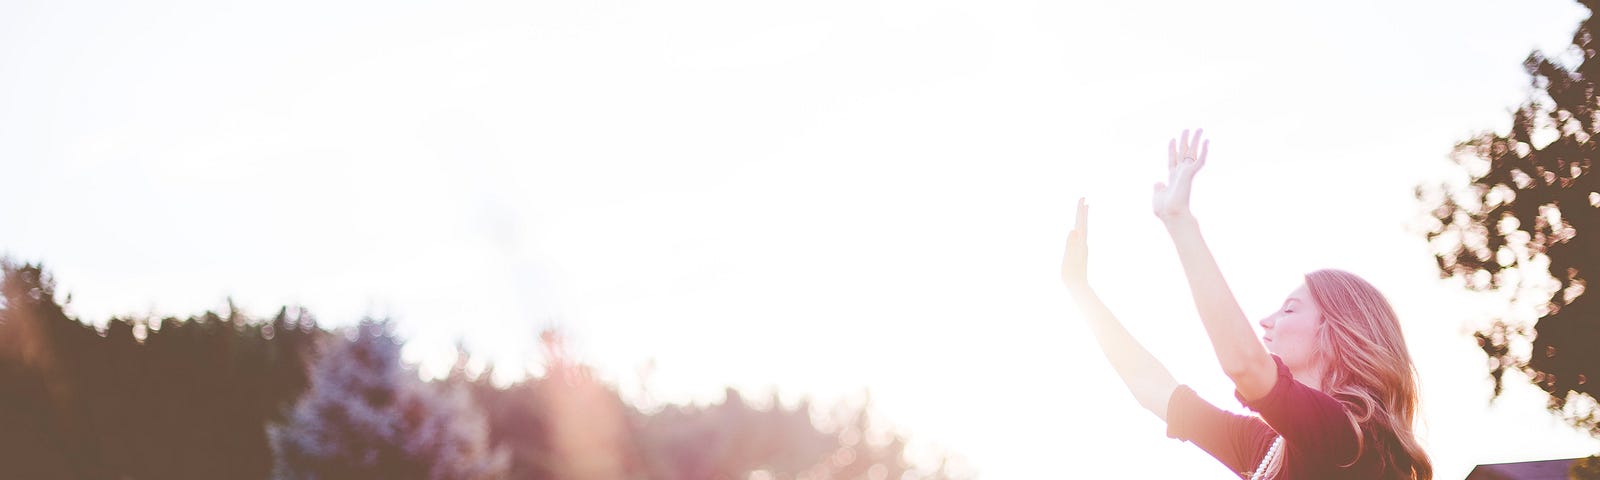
1587, 468
568, 425
195, 398
367, 416
1526, 225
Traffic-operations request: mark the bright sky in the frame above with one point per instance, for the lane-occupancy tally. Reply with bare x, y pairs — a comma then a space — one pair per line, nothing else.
815, 197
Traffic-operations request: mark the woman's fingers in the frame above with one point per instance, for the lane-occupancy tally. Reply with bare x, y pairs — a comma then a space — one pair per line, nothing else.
1172, 153
1075, 260
1083, 217
1191, 150
1081, 223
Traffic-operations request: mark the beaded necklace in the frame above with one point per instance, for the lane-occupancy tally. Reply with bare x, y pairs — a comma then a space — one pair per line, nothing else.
1262, 469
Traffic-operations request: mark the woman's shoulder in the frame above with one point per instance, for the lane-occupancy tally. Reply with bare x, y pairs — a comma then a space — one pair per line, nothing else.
1312, 423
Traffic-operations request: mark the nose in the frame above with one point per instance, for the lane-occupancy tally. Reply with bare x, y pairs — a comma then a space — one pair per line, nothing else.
1267, 322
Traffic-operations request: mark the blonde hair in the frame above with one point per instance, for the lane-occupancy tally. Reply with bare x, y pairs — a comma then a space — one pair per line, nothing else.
1367, 367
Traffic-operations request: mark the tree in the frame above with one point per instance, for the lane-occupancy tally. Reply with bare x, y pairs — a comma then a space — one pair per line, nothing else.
37, 431
130, 400
1526, 224
366, 416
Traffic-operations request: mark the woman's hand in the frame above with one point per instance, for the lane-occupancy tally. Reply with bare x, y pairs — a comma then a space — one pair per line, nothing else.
1075, 262
1171, 199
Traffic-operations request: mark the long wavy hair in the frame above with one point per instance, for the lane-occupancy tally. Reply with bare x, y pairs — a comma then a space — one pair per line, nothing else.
1367, 367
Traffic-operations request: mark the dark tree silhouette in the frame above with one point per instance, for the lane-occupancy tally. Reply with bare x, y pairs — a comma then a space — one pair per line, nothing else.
187, 400
1526, 224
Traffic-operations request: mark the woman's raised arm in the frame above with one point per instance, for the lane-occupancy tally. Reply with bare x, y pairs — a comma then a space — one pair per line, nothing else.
1145, 376
1243, 357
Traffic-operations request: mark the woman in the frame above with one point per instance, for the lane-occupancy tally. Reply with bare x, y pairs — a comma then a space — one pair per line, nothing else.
1330, 378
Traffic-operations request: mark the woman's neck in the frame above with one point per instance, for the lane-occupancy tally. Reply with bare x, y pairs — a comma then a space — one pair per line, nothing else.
1311, 379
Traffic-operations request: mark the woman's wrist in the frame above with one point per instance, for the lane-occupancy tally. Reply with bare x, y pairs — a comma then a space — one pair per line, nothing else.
1181, 219
1080, 289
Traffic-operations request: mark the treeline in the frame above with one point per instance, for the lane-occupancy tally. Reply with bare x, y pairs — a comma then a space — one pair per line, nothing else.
220, 395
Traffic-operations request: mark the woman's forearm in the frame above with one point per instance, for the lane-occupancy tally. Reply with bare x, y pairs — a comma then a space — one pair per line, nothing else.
1242, 356
1145, 376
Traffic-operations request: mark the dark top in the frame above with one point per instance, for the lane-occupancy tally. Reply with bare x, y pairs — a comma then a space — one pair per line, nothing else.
1317, 435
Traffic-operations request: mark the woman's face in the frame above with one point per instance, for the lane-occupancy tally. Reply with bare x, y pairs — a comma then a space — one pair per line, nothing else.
1291, 332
